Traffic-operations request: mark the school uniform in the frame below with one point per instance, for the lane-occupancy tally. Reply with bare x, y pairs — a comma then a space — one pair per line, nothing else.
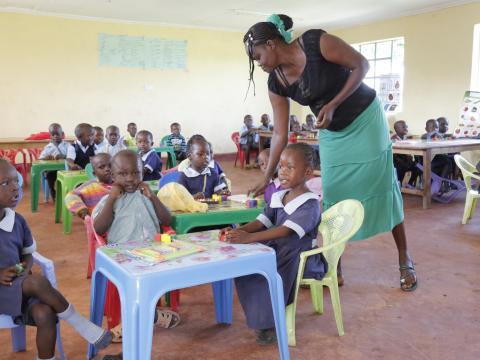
128, 140
207, 182
302, 216
179, 146
16, 240
52, 149
113, 149
271, 188
152, 163
100, 148
81, 154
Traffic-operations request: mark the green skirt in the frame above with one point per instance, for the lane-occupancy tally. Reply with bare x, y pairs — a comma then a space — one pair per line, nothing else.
357, 163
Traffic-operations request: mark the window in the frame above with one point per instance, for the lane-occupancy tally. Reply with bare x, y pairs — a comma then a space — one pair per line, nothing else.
386, 70
475, 80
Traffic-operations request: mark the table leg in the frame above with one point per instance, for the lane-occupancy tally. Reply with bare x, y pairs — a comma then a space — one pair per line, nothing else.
146, 312
97, 301
58, 201
427, 179
275, 286
223, 298
35, 188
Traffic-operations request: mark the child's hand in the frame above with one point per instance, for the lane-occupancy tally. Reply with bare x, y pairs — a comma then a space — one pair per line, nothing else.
225, 230
238, 237
116, 191
82, 213
199, 196
75, 167
48, 157
59, 157
7, 275
225, 192
145, 190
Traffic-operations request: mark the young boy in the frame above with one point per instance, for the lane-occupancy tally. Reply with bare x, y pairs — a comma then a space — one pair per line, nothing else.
404, 163
129, 139
99, 139
248, 139
78, 154
178, 142
114, 144
309, 123
266, 126
274, 185
152, 165
56, 149
82, 200
293, 120
431, 128
443, 127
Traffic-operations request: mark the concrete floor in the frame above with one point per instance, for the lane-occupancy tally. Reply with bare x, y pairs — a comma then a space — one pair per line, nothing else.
441, 320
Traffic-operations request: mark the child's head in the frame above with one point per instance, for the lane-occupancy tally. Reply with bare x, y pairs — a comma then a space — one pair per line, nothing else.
56, 133
144, 140
296, 165
293, 118
175, 128
127, 170
102, 169
401, 128
442, 125
263, 159
310, 120
113, 134
431, 125
9, 188
98, 135
265, 120
248, 120
84, 134
132, 129
296, 127
198, 152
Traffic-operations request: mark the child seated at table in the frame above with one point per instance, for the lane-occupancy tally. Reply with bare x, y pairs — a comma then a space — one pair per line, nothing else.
114, 144
79, 153
56, 149
82, 200
129, 140
404, 163
443, 127
274, 184
266, 126
289, 225
99, 139
29, 298
198, 178
152, 165
431, 128
248, 139
177, 141
309, 123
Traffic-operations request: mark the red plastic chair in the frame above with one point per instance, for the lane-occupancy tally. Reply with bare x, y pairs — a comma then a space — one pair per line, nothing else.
240, 153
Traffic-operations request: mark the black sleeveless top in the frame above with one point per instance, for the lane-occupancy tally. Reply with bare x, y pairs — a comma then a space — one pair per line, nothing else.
83, 158
320, 82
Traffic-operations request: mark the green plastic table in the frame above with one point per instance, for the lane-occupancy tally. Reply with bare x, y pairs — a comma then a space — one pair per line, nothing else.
229, 212
66, 182
38, 167
171, 159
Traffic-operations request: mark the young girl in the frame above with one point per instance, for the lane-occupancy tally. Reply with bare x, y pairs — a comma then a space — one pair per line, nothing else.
152, 165
289, 225
29, 298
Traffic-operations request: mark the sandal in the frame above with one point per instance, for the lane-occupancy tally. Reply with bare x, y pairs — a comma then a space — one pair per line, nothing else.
166, 318
117, 334
409, 270
113, 357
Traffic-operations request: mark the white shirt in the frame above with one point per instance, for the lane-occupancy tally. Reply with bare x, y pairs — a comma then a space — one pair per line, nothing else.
71, 154
52, 149
113, 149
100, 148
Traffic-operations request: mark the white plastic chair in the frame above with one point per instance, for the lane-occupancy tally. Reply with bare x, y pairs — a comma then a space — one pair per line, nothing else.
472, 192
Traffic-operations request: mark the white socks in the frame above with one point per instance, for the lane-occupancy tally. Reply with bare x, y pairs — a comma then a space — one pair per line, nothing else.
88, 330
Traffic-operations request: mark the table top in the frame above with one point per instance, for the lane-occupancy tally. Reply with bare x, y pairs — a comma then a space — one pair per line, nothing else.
19, 140
48, 162
424, 144
215, 252
213, 208
72, 173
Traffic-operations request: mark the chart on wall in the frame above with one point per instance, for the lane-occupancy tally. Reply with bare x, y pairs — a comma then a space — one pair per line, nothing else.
469, 119
141, 52
389, 92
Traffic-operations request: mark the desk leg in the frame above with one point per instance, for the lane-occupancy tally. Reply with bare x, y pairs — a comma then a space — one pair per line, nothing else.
97, 301
275, 286
427, 179
35, 188
146, 312
223, 298
58, 201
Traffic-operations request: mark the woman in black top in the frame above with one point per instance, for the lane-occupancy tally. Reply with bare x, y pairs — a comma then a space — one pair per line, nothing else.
322, 71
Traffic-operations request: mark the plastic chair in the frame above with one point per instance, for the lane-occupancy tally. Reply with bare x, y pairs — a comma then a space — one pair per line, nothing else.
19, 332
168, 178
89, 171
11, 156
339, 224
437, 184
163, 142
35, 155
473, 195
240, 153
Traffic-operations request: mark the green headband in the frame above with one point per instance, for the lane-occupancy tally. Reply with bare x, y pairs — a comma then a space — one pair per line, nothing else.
278, 22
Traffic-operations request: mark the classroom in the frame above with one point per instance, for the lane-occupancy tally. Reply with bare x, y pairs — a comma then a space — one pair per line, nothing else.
255, 180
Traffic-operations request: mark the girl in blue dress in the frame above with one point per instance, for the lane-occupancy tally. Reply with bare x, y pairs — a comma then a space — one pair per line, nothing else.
289, 225
29, 298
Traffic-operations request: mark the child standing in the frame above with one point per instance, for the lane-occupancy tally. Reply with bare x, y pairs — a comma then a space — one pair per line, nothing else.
178, 142
56, 149
29, 298
114, 145
248, 139
99, 139
309, 123
289, 225
129, 139
199, 179
79, 154
152, 165
82, 200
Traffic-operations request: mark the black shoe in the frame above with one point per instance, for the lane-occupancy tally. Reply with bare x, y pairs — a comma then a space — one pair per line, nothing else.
113, 357
266, 336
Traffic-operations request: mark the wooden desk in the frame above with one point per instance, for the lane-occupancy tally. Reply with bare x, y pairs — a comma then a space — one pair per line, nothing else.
428, 149
263, 135
20, 143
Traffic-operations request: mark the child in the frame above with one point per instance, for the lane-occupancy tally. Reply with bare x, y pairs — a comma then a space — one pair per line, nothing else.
78, 154
82, 200
214, 164
199, 179
248, 139
443, 127
309, 123
129, 139
178, 142
404, 163
113, 136
99, 139
274, 185
56, 149
293, 120
152, 165
266, 126
431, 128
29, 298
297, 129
289, 225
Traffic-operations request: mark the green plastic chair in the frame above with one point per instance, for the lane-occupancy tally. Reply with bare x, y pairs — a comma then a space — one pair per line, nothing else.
89, 171
468, 170
339, 224
163, 142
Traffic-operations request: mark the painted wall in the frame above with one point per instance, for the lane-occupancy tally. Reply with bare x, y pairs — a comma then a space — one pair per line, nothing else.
49, 73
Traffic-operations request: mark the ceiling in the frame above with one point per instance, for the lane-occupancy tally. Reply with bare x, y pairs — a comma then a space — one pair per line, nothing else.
229, 14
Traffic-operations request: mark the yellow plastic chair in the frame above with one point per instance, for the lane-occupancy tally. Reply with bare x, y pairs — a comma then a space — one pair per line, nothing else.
339, 224
472, 194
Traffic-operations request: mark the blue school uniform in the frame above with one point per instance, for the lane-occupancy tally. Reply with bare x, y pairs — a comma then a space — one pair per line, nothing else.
302, 215
15, 240
153, 165
207, 182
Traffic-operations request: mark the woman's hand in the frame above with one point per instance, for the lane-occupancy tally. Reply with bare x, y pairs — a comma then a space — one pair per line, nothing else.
325, 116
239, 237
7, 275
258, 188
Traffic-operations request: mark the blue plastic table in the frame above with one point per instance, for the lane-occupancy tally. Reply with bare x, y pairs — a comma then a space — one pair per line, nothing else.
140, 286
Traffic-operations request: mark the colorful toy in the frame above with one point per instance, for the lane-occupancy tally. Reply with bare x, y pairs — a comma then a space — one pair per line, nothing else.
251, 203
166, 239
222, 236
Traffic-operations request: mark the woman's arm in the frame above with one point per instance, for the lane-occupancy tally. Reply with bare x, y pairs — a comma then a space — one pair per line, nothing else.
337, 51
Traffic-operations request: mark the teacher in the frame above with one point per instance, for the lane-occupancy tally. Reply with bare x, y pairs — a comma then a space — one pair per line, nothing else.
322, 71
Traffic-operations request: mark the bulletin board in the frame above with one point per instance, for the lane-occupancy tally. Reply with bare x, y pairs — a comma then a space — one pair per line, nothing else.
469, 118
